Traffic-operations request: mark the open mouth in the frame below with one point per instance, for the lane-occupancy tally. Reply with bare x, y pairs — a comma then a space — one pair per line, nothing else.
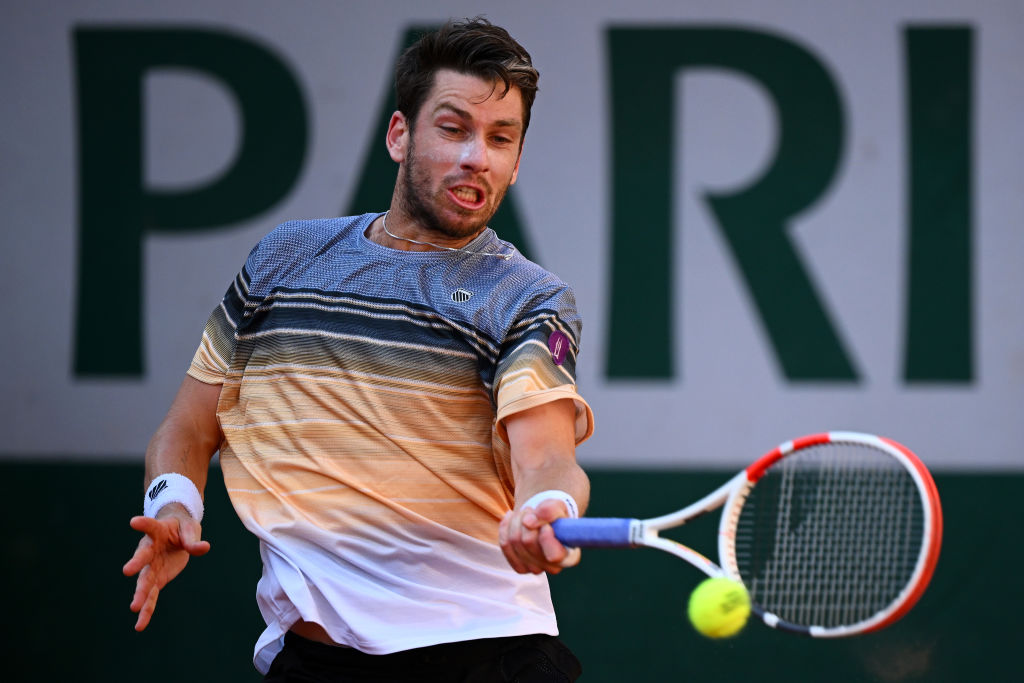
468, 197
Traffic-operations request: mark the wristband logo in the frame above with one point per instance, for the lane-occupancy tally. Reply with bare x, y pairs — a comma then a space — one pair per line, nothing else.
158, 489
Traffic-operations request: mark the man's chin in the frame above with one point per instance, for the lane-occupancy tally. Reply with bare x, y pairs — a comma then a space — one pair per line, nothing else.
464, 225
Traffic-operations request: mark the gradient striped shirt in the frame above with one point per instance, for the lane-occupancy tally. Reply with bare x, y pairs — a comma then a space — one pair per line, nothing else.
363, 393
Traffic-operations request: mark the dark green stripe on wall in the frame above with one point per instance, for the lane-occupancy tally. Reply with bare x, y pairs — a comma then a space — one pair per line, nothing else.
622, 611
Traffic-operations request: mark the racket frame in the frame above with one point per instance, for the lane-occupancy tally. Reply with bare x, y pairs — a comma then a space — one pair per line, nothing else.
731, 496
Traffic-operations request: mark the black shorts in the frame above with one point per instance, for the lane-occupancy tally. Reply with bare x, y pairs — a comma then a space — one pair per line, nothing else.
517, 659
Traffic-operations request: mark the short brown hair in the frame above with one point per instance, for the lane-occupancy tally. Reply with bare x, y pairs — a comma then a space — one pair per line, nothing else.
471, 46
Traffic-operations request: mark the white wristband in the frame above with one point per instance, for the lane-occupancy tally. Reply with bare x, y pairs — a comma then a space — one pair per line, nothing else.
173, 488
570, 502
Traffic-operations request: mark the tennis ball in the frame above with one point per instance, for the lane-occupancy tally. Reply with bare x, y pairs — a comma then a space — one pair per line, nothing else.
719, 607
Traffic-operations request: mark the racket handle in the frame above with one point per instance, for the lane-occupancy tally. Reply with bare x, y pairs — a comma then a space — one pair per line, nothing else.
594, 532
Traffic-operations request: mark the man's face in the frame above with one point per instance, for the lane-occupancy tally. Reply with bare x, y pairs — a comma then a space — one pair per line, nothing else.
461, 155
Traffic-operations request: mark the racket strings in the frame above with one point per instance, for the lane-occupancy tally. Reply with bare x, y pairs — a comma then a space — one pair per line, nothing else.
830, 535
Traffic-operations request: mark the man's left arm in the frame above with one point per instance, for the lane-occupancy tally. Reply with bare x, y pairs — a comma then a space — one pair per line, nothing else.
543, 446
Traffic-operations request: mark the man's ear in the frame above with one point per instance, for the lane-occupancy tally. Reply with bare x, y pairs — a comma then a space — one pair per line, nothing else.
398, 137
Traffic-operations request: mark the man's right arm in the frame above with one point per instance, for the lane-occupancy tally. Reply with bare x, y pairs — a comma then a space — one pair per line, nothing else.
188, 436
184, 443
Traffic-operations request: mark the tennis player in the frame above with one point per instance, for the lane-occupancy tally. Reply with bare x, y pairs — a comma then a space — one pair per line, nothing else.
393, 398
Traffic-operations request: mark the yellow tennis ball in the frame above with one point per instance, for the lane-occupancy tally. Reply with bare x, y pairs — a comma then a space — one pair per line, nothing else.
719, 607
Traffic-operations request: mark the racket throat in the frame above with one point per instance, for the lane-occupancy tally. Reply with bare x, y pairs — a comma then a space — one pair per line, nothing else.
640, 534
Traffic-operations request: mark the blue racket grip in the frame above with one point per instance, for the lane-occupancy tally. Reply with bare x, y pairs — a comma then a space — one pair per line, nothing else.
593, 532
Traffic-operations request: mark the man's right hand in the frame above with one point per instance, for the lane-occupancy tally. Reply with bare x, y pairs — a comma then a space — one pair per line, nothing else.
163, 552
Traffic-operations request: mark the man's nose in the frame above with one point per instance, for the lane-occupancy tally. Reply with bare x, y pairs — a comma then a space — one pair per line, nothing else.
475, 155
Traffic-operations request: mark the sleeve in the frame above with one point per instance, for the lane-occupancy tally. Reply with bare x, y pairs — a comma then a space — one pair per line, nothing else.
212, 359
273, 257
537, 363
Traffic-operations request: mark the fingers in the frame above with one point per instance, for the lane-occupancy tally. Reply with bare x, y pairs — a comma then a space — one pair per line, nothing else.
146, 608
142, 557
555, 552
144, 601
190, 534
572, 558
515, 538
550, 510
529, 542
162, 553
166, 534
143, 587
146, 525
198, 549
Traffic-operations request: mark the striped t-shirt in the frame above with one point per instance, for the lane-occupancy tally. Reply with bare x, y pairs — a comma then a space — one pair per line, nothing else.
362, 400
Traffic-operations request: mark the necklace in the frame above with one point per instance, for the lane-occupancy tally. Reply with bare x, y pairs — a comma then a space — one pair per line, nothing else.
384, 224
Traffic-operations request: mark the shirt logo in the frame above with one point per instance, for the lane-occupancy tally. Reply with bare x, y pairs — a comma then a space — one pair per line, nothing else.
460, 296
558, 345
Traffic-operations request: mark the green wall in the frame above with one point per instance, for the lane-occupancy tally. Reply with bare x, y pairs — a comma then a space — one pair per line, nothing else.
622, 611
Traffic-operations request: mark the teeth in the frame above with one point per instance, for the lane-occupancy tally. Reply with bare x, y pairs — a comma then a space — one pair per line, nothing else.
465, 193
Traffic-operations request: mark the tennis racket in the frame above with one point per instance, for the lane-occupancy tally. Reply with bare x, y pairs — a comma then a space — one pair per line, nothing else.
832, 534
